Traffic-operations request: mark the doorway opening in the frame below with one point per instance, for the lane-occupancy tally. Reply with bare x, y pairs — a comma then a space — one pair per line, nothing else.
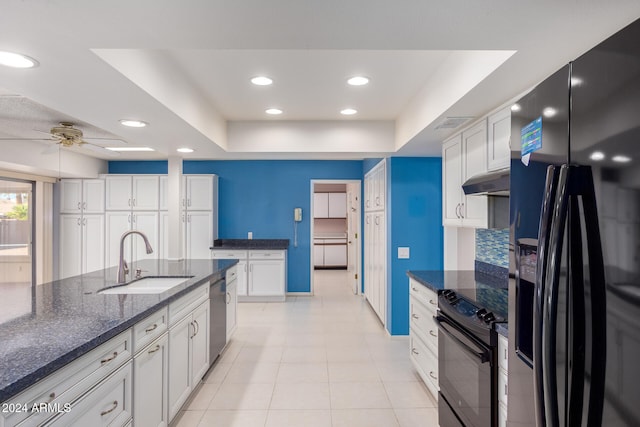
336, 249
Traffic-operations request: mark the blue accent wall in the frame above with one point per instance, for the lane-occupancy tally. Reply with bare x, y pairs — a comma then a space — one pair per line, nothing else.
259, 196
415, 220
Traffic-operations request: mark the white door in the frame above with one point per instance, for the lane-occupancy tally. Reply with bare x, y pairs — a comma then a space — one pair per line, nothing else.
116, 224
320, 205
151, 388
200, 343
353, 235
337, 205
266, 277
335, 255
145, 192
70, 245
146, 223
179, 363
93, 196
199, 192
232, 308
451, 175
199, 234
93, 243
118, 193
241, 286
71, 196
474, 162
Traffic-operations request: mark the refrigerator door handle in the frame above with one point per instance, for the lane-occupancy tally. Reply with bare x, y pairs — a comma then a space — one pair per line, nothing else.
551, 184
550, 299
597, 285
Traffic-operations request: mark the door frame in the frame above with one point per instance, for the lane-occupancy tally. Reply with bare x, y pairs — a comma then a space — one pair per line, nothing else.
358, 266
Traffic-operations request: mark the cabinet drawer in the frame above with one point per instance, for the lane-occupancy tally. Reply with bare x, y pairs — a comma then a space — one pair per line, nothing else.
228, 254
503, 353
426, 363
425, 295
70, 382
185, 305
266, 254
149, 329
231, 274
503, 386
422, 322
109, 404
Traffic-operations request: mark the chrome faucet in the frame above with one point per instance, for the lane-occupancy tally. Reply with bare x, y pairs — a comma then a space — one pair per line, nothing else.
123, 267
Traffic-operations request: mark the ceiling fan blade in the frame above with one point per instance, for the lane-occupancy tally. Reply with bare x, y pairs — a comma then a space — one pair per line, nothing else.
25, 139
99, 149
53, 148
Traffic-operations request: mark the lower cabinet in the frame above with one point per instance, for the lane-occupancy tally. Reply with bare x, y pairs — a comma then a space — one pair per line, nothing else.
232, 307
188, 356
151, 384
503, 383
423, 335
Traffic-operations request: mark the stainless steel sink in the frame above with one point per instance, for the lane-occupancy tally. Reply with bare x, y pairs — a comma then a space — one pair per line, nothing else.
147, 285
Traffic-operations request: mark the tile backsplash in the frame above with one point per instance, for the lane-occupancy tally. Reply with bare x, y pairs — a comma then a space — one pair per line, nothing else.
492, 246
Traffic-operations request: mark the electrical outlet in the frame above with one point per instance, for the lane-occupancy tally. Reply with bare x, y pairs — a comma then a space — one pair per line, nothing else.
403, 253
250, 235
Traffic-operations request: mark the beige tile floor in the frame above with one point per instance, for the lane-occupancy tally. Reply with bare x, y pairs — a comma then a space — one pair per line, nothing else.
313, 361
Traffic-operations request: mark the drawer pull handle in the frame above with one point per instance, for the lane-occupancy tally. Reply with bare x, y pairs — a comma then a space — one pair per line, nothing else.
432, 302
415, 316
152, 328
108, 411
413, 350
155, 349
196, 327
78, 205
414, 288
228, 297
433, 376
109, 359
433, 334
506, 390
505, 354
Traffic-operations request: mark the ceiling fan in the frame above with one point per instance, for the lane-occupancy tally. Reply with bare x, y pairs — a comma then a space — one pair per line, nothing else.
66, 135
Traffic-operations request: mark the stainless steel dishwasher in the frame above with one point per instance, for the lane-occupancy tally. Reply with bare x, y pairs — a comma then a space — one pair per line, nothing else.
218, 318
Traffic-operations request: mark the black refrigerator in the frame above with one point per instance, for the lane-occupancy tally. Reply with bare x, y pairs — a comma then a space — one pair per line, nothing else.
575, 237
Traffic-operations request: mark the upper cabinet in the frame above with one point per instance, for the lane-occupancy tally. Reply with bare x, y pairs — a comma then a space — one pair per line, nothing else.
464, 156
499, 140
329, 205
132, 192
81, 196
375, 188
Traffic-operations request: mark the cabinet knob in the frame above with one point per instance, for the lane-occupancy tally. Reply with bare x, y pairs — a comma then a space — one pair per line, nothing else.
415, 316
413, 350
431, 374
433, 334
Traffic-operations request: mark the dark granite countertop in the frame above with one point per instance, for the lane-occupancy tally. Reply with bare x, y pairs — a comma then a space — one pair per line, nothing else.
250, 244
68, 318
489, 288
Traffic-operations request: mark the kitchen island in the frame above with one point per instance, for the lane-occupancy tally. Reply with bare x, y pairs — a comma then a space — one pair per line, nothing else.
69, 318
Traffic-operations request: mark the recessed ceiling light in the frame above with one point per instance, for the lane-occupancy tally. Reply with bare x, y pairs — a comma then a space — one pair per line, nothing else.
16, 60
273, 111
348, 112
621, 159
129, 148
549, 112
358, 81
597, 155
261, 81
133, 123
516, 107
185, 150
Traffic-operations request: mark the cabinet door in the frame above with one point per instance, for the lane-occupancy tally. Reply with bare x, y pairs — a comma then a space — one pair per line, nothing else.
335, 255
474, 162
318, 255
498, 140
147, 223
93, 243
199, 234
116, 224
368, 184
337, 205
71, 196
118, 192
150, 384
200, 343
232, 308
163, 192
179, 375
93, 196
70, 245
320, 205
163, 236
145, 192
266, 277
451, 180
380, 186
199, 192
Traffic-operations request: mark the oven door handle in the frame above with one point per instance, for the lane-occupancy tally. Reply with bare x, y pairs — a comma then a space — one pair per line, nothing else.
483, 355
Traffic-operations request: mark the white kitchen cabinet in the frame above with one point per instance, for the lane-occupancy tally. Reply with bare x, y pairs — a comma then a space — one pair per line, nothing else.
262, 274
150, 368
335, 255
375, 187
423, 333
82, 196
232, 301
503, 383
329, 205
499, 140
321, 205
188, 355
464, 156
132, 192
82, 244
201, 192
117, 223
318, 253
200, 233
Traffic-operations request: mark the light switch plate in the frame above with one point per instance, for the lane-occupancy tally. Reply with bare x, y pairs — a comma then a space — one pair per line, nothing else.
403, 253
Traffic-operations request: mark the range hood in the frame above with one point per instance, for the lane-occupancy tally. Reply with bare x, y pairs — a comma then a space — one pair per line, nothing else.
492, 183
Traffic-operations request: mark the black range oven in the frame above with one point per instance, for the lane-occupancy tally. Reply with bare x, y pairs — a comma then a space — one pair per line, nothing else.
467, 362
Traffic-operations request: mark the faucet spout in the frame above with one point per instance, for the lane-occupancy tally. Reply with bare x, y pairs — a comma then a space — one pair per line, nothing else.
123, 267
